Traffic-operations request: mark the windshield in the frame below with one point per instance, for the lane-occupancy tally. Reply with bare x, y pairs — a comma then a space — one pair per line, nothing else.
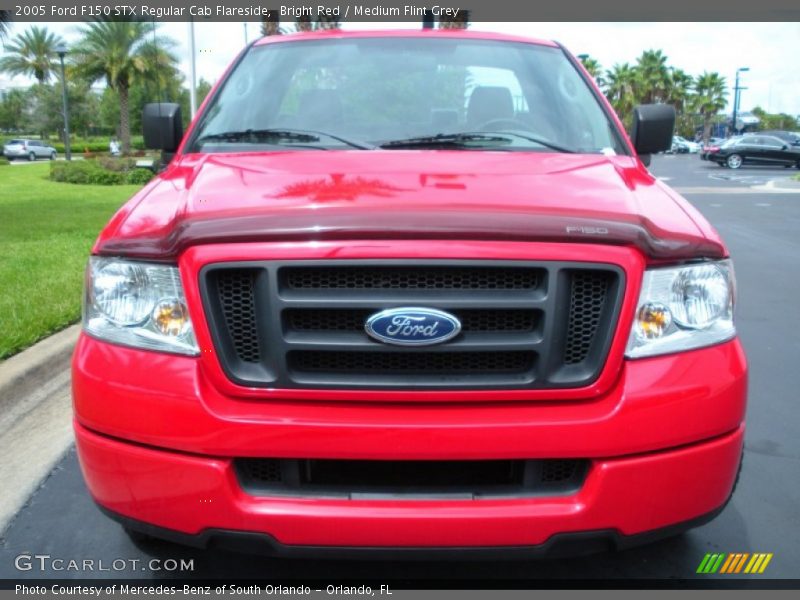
405, 92
731, 142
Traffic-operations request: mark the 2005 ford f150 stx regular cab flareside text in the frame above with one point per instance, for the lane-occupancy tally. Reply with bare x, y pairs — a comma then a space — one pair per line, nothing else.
409, 291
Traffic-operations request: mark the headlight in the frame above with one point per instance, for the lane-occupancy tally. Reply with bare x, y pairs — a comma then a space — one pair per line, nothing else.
682, 308
137, 304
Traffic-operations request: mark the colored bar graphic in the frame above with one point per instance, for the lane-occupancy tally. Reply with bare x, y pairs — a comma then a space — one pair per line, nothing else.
734, 563
765, 563
752, 563
740, 564
704, 564
729, 563
717, 564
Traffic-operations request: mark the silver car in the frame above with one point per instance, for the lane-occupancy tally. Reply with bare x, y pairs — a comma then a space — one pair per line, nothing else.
29, 149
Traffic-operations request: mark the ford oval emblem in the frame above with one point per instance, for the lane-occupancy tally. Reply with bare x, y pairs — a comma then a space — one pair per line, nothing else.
412, 326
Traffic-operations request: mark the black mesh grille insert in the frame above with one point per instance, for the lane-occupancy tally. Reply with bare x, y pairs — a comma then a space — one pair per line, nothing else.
353, 320
236, 289
525, 324
558, 470
422, 363
427, 278
265, 470
411, 478
587, 301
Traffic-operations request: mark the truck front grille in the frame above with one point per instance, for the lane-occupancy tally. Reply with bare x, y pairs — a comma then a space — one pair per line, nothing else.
411, 479
354, 319
412, 363
301, 324
411, 278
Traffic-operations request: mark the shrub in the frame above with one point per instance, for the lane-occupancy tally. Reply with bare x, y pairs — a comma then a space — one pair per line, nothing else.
58, 171
139, 176
80, 146
116, 164
100, 176
92, 172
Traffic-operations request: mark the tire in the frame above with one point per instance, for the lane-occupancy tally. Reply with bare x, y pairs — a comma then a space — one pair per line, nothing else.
142, 539
136, 536
734, 161
52, 156
31, 157
798, 164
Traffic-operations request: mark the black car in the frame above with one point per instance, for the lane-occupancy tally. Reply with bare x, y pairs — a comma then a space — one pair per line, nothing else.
710, 147
790, 137
756, 150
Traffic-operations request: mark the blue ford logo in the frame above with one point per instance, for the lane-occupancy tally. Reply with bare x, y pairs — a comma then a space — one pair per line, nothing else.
412, 326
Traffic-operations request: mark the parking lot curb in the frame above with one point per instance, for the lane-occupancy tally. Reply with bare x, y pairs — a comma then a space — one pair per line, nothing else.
30, 369
784, 184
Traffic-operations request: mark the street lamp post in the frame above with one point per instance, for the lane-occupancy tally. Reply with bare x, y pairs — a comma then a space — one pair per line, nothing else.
736, 89
61, 49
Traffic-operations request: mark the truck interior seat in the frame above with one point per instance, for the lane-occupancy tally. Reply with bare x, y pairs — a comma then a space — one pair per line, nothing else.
488, 103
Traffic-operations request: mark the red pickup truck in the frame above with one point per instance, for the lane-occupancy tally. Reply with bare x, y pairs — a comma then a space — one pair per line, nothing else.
409, 292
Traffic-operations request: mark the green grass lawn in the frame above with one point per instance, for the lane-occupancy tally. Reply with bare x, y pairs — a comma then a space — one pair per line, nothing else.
46, 232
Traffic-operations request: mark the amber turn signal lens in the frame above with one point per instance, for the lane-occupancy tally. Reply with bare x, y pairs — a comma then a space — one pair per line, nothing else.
653, 320
171, 317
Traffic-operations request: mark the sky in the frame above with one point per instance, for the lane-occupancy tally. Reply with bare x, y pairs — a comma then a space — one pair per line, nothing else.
768, 49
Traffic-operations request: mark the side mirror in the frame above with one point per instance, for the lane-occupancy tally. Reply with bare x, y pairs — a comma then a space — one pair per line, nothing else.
653, 126
162, 126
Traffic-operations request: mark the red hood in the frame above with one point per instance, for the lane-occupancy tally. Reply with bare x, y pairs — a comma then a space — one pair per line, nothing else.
324, 195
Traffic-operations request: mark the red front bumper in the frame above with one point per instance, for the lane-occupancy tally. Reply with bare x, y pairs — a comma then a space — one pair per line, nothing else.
192, 493
157, 433
664, 444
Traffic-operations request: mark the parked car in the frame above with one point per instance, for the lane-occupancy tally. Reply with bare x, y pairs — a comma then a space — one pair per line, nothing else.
789, 137
346, 318
755, 149
711, 146
681, 145
29, 149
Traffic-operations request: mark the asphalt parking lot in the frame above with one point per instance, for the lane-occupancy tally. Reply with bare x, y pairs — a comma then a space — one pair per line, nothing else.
760, 226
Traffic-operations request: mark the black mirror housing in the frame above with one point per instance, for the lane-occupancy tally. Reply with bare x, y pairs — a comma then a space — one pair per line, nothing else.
162, 126
653, 127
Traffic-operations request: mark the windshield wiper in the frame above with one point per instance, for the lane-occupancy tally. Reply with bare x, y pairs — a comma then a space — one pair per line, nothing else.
457, 140
535, 140
300, 136
469, 139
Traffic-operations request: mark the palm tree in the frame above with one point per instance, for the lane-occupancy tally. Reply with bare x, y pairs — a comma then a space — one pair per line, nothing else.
678, 94
461, 21
653, 75
679, 88
710, 98
32, 53
324, 22
593, 67
159, 64
5, 20
271, 23
121, 52
304, 23
621, 81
